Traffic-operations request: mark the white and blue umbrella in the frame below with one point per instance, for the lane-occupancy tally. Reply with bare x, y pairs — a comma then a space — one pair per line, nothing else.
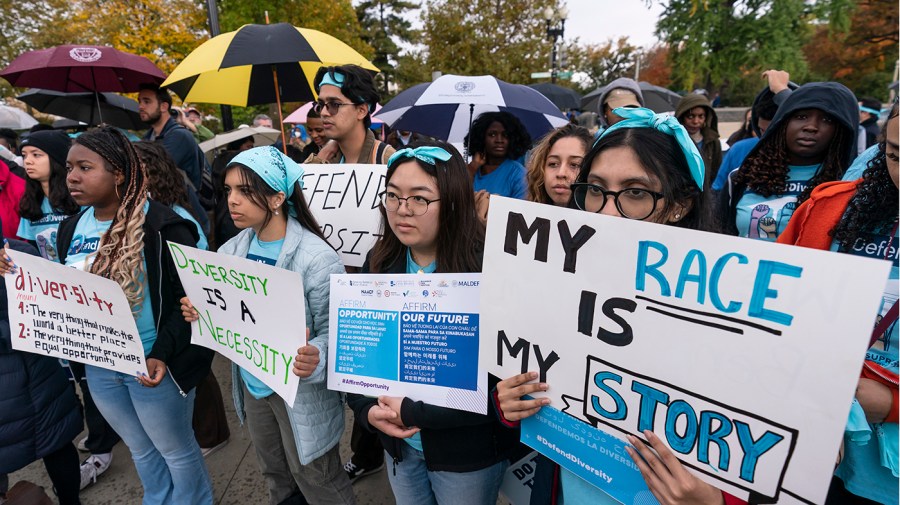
445, 108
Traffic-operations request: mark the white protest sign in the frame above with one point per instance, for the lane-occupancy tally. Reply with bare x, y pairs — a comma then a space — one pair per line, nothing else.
743, 356
250, 312
344, 199
519, 480
63, 312
407, 335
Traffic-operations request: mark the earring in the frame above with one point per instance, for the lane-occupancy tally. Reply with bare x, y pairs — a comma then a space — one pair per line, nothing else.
117, 193
276, 212
677, 217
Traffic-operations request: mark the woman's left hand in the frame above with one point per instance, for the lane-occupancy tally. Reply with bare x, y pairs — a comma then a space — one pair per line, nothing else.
307, 359
667, 478
393, 403
156, 370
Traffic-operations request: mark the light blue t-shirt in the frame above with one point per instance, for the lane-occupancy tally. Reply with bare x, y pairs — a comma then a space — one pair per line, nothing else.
576, 491
869, 468
42, 231
859, 165
202, 243
412, 267
506, 180
81, 255
267, 253
732, 160
765, 217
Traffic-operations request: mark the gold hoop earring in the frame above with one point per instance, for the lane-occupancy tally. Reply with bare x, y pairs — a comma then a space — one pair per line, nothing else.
117, 193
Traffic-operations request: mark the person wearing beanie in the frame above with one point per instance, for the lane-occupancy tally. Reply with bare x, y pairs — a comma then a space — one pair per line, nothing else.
702, 124
869, 110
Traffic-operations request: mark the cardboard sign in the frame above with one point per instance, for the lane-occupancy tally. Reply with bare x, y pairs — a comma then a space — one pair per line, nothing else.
743, 356
408, 335
344, 199
519, 480
63, 312
250, 312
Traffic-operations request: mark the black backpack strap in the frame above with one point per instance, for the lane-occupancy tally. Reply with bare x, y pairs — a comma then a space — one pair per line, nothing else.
379, 152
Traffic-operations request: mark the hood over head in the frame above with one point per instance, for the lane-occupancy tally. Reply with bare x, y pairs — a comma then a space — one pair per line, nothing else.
620, 83
692, 100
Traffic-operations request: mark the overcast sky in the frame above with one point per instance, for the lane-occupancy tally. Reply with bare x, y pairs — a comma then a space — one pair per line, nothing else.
595, 21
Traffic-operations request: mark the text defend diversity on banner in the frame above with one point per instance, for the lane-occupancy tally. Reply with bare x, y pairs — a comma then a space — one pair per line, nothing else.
743, 356
63, 312
344, 199
407, 335
250, 312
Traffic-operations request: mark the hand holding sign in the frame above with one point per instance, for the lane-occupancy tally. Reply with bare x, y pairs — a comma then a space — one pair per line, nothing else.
307, 359
6, 263
156, 370
384, 419
510, 392
666, 477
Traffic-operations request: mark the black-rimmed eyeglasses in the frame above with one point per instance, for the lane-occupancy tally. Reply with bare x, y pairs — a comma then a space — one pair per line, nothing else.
633, 203
333, 106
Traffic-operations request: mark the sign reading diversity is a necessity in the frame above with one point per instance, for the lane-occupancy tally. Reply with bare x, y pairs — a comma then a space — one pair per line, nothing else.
344, 199
63, 312
742, 356
250, 312
407, 335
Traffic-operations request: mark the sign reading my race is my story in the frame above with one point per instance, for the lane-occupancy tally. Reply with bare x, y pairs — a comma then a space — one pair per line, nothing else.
344, 199
63, 312
407, 335
743, 356
250, 312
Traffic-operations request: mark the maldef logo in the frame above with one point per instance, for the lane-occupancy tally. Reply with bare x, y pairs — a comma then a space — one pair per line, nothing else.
464, 86
85, 54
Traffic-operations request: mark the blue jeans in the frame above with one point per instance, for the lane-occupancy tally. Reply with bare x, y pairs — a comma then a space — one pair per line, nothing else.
414, 484
155, 424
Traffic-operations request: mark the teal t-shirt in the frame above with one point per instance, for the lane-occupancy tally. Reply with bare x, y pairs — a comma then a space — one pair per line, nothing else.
42, 231
509, 179
202, 243
263, 252
576, 490
765, 217
412, 267
870, 465
81, 255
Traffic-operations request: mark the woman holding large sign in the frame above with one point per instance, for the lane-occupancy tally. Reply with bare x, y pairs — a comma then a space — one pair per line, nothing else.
645, 167
439, 455
296, 447
860, 217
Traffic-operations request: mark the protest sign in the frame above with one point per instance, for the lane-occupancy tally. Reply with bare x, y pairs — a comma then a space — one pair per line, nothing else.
63, 312
743, 356
407, 335
250, 312
344, 198
519, 480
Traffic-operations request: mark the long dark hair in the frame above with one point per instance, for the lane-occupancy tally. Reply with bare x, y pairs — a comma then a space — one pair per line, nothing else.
537, 160
259, 192
460, 240
165, 182
60, 199
874, 206
519, 139
765, 170
662, 157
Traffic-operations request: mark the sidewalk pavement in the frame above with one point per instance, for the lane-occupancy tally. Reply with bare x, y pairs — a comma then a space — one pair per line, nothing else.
234, 471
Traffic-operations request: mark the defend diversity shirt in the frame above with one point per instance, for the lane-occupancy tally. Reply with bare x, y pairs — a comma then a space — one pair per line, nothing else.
266, 253
42, 231
765, 217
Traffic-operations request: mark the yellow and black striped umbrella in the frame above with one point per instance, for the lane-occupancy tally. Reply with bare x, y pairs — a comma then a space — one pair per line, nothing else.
260, 64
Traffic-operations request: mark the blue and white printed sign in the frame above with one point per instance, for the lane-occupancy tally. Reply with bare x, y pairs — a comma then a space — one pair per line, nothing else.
408, 335
743, 356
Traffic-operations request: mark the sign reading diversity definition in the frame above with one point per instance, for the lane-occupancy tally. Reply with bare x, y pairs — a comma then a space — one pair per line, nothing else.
63, 312
250, 312
741, 355
344, 199
408, 335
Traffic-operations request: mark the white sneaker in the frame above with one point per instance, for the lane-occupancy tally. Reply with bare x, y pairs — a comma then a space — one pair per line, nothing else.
92, 468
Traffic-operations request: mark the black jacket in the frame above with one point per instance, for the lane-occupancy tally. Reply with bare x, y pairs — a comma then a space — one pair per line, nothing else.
831, 97
188, 364
452, 440
183, 148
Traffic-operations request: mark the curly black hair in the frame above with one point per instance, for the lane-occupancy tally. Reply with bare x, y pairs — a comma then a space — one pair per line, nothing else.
358, 86
164, 180
874, 206
519, 139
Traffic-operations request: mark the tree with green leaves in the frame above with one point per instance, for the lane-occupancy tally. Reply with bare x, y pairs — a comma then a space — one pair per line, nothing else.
384, 27
605, 62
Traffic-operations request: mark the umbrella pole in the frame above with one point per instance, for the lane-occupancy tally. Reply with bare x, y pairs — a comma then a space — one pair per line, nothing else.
471, 112
280, 117
96, 97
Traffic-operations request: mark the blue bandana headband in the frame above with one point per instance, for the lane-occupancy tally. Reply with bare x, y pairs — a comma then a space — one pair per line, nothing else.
646, 118
869, 110
428, 154
333, 78
275, 168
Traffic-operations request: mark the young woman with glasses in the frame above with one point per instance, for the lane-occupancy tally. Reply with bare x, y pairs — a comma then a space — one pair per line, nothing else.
439, 455
647, 168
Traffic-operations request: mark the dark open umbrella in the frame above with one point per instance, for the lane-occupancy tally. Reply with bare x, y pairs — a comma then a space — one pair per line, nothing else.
564, 98
656, 98
115, 109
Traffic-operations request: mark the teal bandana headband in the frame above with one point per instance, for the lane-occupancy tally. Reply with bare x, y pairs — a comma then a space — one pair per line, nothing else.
869, 110
333, 78
428, 154
646, 118
274, 167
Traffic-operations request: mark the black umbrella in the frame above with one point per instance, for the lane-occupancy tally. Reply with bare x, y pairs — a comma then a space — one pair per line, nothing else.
114, 109
564, 98
656, 98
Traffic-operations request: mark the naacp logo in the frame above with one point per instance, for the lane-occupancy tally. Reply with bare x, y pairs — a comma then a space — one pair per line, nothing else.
85, 54
464, 86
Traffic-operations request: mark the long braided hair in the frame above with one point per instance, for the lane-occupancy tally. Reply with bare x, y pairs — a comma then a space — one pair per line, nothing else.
766, 171
119, 256
874, 206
